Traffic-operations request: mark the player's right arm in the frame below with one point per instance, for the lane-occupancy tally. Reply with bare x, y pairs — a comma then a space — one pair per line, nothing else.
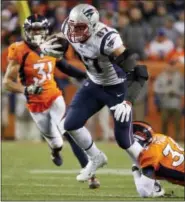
145, 185
10, 78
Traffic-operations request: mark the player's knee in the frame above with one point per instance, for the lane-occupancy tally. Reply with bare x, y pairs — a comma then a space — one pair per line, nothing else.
70, 125
121, 144
123, 141
56, 143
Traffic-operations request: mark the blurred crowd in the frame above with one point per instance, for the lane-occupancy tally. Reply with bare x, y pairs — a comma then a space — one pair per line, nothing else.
153, 29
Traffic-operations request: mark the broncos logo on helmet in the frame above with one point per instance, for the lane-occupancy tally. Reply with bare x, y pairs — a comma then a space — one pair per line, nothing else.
36, 29
143, 132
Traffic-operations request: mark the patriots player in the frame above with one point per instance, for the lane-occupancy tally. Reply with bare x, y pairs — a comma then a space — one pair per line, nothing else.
114, 79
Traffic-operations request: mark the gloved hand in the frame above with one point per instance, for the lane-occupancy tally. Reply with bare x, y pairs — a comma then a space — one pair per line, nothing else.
50, 47
122, 111
33, 89
146, 187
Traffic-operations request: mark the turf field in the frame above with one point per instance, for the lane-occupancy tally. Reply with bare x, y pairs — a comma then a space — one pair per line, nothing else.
29, 174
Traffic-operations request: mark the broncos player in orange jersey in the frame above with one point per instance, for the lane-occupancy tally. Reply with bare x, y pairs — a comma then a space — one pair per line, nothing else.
161, 159
36, 72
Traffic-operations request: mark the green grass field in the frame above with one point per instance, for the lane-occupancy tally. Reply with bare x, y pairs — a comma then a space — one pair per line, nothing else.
29, 174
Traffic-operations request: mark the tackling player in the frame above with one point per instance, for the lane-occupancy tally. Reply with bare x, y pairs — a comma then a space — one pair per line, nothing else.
36, 72
114, 80
162, 158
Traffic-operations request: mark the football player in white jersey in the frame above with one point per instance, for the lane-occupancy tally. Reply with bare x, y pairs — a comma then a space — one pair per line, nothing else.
114, 79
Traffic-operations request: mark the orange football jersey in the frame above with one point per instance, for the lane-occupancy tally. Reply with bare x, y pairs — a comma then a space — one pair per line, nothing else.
166, 157
35, 70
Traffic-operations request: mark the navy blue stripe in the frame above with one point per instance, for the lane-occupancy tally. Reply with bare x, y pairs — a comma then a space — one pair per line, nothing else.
21, 70
170, 174
64, 25
104, 41
22, 73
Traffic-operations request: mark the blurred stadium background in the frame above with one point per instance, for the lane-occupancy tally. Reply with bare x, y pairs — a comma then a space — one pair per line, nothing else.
154, 29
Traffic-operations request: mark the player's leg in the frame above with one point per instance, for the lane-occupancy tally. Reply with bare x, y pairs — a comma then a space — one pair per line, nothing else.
124, 137
43, 122
123, 131
78, 152
83, 106
83, 160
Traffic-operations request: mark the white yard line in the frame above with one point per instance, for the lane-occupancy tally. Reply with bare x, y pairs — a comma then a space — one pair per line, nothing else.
104, 171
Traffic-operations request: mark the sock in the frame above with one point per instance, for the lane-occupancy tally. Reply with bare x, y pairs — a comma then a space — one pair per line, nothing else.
92, 150
84, 140
77, 151
134, 150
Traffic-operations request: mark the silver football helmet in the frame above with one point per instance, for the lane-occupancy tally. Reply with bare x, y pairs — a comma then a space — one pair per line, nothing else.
82, 21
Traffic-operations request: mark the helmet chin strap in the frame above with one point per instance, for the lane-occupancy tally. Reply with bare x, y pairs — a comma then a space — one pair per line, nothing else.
37, 39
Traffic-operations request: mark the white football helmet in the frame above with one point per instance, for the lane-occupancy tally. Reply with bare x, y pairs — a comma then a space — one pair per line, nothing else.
81, 23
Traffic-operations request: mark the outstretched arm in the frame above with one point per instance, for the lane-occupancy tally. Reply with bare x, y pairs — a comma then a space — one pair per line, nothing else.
70, 70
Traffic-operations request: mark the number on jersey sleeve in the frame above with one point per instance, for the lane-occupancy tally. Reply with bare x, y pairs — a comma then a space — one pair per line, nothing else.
175, 154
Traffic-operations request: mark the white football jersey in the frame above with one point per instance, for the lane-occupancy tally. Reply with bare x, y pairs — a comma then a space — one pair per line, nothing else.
95, 54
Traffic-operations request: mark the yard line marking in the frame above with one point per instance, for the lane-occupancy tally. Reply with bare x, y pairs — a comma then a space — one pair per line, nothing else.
53, 185
75, 171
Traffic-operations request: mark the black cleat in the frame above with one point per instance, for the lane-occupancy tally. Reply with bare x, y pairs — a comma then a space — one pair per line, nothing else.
93, 183
56, 157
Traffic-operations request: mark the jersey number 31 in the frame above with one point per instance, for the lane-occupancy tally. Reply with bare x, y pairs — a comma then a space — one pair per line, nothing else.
41, 71
180, 157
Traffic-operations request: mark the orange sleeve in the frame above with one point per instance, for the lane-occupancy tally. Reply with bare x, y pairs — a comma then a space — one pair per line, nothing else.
4, 61
150, 157
12, 52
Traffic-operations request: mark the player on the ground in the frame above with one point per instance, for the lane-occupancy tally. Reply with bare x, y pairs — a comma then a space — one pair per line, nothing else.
44, 99
162, 158
114, 80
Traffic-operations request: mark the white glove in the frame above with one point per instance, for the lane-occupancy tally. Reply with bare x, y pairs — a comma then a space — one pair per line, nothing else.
145, 186
122, 111
48, 48
33, 89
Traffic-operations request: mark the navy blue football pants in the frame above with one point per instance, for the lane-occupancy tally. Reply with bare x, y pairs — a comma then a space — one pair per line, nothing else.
89, 99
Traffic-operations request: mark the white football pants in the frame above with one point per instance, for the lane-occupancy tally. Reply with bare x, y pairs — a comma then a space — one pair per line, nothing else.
48, 120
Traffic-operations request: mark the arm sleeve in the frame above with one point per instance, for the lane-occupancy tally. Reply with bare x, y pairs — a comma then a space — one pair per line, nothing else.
68, 69
12, 52
135, 81
110, 42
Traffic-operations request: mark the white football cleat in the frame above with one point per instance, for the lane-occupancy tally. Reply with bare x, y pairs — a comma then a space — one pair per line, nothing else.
94, 163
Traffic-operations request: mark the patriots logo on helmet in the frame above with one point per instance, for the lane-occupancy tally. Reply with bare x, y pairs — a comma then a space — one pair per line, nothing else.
88, 13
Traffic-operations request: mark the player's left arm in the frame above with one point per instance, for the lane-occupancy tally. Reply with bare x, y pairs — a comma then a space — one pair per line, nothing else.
137, 75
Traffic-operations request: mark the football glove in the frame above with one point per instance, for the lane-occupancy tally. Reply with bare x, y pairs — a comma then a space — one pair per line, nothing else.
33, 89
50, 47
122, 111
145, 186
